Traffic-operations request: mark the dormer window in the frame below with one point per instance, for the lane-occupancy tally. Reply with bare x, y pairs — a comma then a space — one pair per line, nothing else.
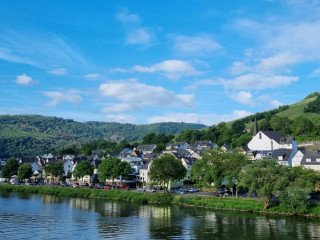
308, 159
318, 160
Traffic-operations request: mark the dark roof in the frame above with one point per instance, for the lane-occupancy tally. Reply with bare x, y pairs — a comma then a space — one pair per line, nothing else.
274, 135
189, 160
286, 140
145, 166
148, 147
313, 155
113, 154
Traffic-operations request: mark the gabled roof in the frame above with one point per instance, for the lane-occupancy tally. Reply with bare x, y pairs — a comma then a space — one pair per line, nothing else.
286, 140
146, 165
313, 156
148, 147
276, 136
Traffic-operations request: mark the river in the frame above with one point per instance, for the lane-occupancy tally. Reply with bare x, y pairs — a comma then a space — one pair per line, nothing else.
30, 216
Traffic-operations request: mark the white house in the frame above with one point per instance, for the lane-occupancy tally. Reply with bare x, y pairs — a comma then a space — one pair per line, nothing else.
309, 159
266, 140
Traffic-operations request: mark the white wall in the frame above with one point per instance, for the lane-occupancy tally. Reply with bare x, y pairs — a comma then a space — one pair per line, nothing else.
265, 143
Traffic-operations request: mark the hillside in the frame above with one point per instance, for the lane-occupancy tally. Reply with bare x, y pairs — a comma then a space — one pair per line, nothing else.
30, 135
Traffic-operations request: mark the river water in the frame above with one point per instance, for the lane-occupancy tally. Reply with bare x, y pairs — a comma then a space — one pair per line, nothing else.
29, 216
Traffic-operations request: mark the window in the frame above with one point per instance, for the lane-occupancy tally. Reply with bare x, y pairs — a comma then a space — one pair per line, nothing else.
260, 136
308, 159
317, 159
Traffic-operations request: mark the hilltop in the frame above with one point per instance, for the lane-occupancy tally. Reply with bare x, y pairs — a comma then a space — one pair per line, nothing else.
30, 135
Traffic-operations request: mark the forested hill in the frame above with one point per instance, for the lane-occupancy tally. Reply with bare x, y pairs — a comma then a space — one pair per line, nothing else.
30, 135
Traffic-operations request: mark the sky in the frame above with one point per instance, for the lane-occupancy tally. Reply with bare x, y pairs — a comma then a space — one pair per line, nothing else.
143, 62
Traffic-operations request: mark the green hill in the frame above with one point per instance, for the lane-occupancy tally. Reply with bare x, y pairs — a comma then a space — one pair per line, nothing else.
30, 135
296, 110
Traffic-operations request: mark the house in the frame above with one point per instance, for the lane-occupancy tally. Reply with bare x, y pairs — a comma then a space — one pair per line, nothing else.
307, 158
143, 173
225, 147
187, 162
269, 144
266, 140
146, 148
179, 145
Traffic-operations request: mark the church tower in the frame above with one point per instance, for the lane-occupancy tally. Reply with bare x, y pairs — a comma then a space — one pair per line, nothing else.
255, 127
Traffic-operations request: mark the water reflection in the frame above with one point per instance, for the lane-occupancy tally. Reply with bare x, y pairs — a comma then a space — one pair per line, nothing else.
50, 217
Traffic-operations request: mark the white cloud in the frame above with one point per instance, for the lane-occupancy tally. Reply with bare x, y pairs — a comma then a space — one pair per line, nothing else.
93, 76
201, 45
207, 119
121, 70
276, 103
25, 80
243, 97
315, 73
121, 107
70, 96
128, 18
58, 71
259, 81
145, 95
39, 49
122, 118
139, 36
172, 69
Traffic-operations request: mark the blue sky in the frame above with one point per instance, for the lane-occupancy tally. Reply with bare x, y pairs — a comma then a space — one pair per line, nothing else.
154, 61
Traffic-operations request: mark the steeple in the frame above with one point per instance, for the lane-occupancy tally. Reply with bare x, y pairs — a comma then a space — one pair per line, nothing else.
255, 127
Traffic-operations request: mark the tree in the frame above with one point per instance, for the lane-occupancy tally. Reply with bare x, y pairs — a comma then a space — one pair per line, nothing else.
82, 169
11, 168
313, 106
281, 124
217, 167
165, 169
238, 127
55, 169
25, 171
264, 125
267, 178
302, 126
112, 168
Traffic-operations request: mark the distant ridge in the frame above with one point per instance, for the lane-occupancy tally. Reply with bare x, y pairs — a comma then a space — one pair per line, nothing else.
30, 135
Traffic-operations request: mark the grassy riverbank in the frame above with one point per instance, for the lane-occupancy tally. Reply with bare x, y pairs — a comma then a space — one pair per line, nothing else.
228, 204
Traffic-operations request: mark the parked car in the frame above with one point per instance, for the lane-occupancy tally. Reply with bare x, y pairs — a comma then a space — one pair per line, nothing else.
185, 189
180, 191
140, 190
221, 191
193, 189
85, 184
75, 185
107, 188
16, 182
148, 189
123, 187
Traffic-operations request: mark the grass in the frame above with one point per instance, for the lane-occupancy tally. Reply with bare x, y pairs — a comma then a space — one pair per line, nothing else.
296, 110
219, 203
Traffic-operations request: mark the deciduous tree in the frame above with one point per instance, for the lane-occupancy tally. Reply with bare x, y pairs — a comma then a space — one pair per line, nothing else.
165, 169
25, 171
82, 169
11, 168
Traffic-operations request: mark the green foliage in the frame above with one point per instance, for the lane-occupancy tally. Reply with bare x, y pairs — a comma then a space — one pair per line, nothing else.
32, 135
294, 200
313, 107
112, 168
302, 126
54, 169
11, 168
267, 178
82, 169
238, 127
280, 124
25, 171
312, 95
165, 169
217, 166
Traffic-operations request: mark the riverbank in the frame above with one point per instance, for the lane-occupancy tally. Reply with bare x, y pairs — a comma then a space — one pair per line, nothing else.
217, 203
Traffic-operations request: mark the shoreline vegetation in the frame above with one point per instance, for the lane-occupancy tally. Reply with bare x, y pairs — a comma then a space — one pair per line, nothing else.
233, 204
